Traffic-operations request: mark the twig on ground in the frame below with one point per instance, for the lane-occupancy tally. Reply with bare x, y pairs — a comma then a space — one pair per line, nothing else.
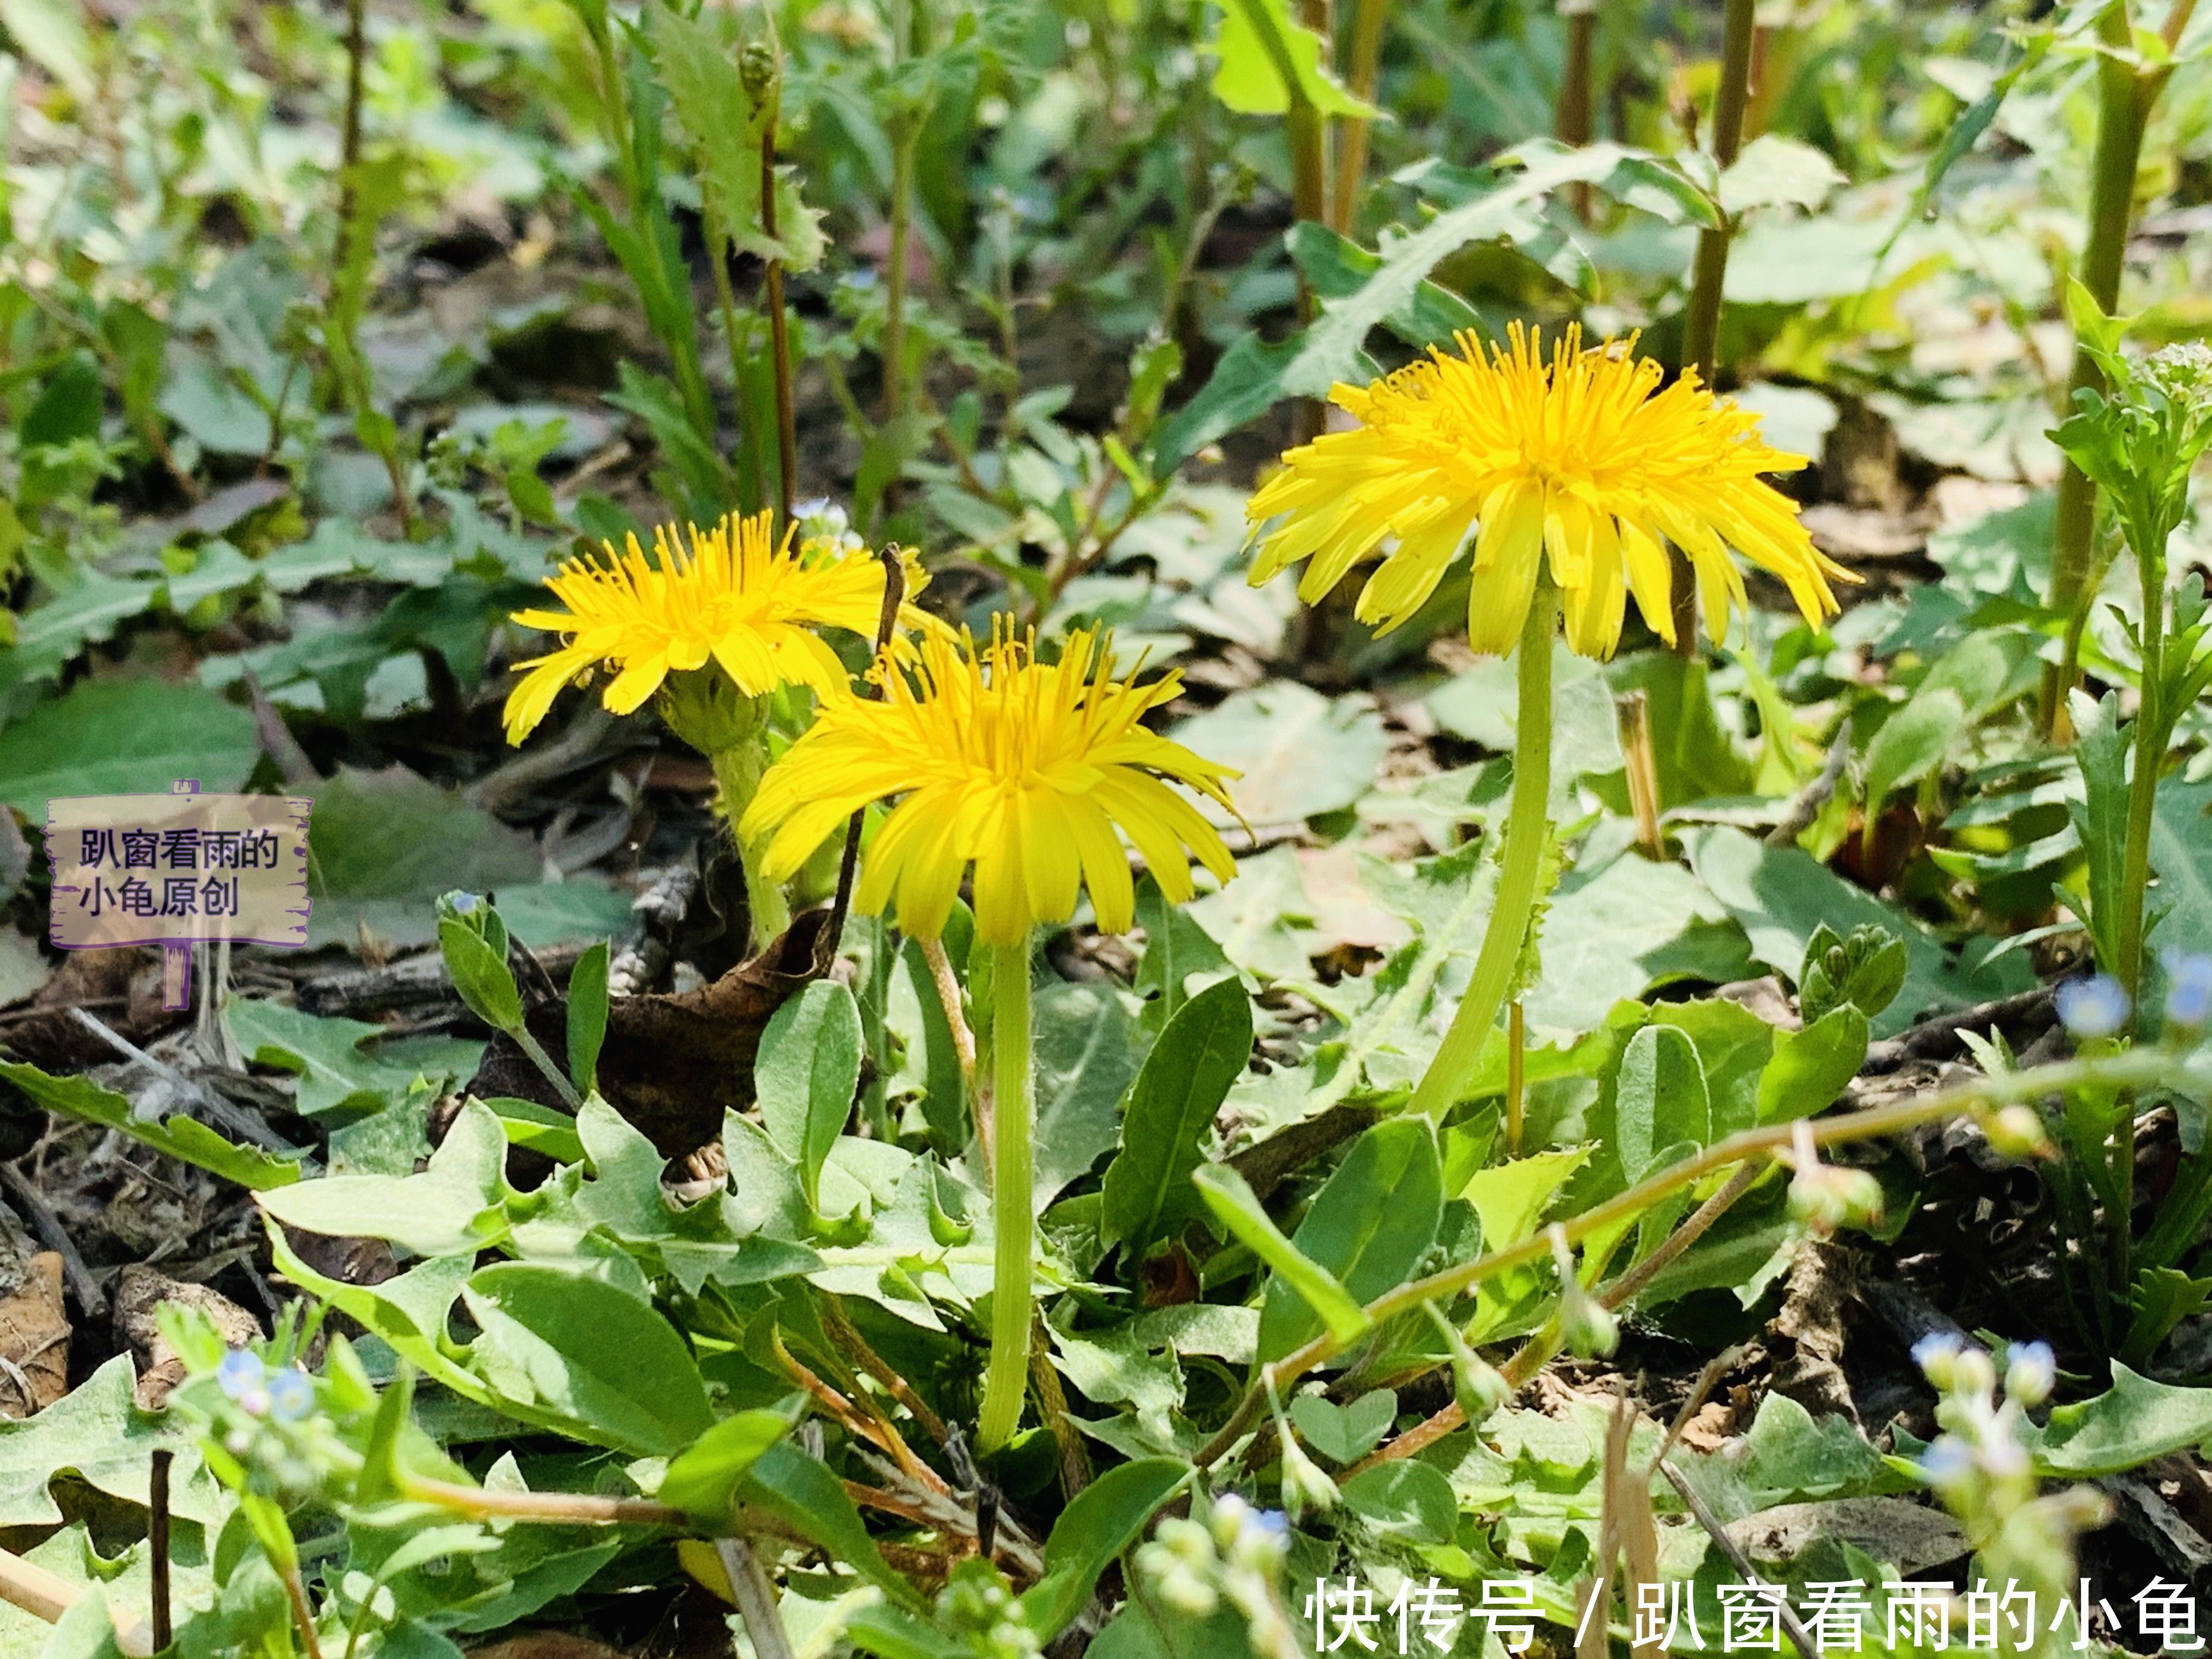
90, 1298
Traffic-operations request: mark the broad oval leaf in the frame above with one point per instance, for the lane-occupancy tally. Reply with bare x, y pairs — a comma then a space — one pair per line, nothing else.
704, 1479
808, 1068
1106, 1517
1661, 1101
591, 1354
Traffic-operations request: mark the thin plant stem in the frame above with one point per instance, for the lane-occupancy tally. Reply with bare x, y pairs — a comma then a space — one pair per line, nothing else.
561, 1508
1701, 322
1005, 1381
1528, 826
756, 1598
1369, 18
1574, 121
906, 138
778, 336
2152, 731
2125, 96
2136, 1068
1516, 1074
1308, 138
722, 247
536, 1051
947, 984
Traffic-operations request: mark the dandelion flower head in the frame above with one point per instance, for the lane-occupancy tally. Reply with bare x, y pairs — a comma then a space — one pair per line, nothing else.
1026, 770
1582, 458
734, 597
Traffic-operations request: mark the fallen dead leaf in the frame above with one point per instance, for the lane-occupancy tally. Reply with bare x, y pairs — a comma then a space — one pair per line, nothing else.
138, 1292
34, 1339
1913, 1535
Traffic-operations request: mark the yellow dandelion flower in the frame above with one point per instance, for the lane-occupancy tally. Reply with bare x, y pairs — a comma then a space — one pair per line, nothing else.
1024, 768
1584, 458
735, 597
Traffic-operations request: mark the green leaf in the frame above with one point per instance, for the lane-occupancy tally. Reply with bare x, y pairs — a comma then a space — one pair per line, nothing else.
50, 33
540, 1128
2101, 817
1782, 895
808, 1067
804, 1490
178, 1136
1911, 743
1368, 1228
481, 976
408, 1313
587, 1016
119, 736
2181, 854
1230, 1198
451, 1206
1405, 1500
705, 1477
98, 1433
1775, 172
344, 1066
71, 404
383, 846
2129, 1423
1253, 374
1204, 1050
1661, 1103
1103, 1520
1345, 1434
698, 68
1177, 951
1087, 1055
1258, 44
1811, 1067
49, 638
611, 1367
1511, 1197
1301, 753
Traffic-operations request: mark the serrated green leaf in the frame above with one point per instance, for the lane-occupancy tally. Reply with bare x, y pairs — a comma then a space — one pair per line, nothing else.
1258, 42
177, 1137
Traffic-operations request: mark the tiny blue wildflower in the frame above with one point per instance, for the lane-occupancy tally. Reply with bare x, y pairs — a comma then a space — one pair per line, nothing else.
2096, 1007
240, 1373
2031, 1373
464, 904
1947, 1463
1935, 1350
291, 1396
2188, 988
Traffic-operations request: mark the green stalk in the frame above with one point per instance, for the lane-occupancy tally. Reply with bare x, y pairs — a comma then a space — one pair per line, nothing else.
1014, 1107
1701, 320
2153, 730
1368, 18
737, 772
2125, 94
905, 139
1528, 826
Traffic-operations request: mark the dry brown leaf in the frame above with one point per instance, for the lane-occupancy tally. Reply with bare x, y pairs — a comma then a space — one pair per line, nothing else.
138, 1292
34, 1339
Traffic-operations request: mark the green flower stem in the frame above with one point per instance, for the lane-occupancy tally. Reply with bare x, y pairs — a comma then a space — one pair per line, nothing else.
2137, 1068
1012, 1109
2153, 731
1528, 826
737, 771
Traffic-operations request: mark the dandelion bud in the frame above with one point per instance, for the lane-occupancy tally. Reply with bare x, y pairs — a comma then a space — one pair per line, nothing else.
757, 70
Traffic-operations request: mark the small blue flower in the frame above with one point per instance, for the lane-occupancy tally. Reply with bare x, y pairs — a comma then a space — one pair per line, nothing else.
2096, 1007
291, 1396
2031, 1372
2188, 988
241, 1373
464, 904
1271, 1522
1948, 1462
1935, 1348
